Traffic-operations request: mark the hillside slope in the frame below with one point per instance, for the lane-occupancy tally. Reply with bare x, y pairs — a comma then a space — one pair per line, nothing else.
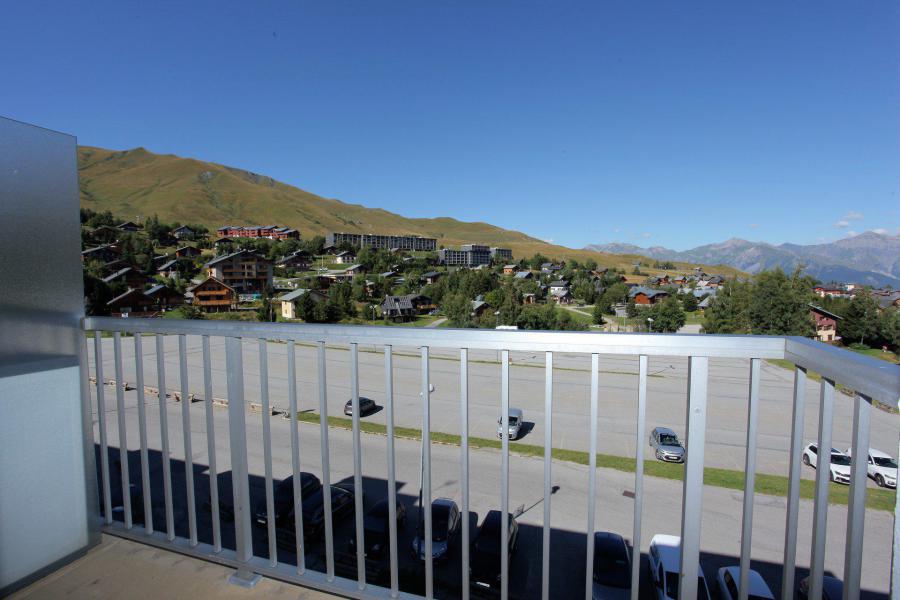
134, 184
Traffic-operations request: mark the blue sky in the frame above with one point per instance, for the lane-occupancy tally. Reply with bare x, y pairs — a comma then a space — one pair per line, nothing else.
655, 123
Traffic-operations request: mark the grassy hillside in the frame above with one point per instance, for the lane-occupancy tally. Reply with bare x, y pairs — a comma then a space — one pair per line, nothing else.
137, 183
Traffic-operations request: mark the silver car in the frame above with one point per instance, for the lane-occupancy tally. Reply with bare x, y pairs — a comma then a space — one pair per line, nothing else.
668, 446
515, 423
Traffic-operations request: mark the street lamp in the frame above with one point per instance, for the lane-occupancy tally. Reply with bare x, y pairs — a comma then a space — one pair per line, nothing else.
650, 324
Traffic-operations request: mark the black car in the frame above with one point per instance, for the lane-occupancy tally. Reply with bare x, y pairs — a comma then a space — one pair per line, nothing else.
445, 525
612, 567
314, 515
366, 406
284, 498
832, 588
376, 530
485, 560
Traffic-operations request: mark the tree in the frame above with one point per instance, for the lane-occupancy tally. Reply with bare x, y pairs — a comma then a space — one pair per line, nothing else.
727, 312
860, 322
458, 309
668, 316
779, 304
616, 293
690, 303
599, 310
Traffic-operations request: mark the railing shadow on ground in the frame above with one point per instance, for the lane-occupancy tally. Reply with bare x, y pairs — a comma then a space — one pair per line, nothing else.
567, 556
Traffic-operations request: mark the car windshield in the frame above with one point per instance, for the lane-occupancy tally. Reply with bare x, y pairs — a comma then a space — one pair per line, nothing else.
840, 459
672, 587
611, 566
668, 440
885, 462
513, 421
440, 516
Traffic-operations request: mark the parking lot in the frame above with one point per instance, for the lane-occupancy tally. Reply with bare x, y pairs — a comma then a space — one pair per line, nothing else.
662, 503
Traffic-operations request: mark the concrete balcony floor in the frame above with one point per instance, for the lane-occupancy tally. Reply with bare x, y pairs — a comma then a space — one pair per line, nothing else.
119, 568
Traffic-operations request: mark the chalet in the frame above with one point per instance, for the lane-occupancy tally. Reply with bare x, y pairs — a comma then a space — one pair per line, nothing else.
213, 295
301, 260
398, 309
599, 272
529, 298
244, 271
560, 296
183, 233
430, 277
550, 268
479, 307
679, 279
644, 296
106, 253
705, 303
523, 275
169, 270
658, 280
104, 234
129, 226
889, 300
128, 276
224, 241
149, 303
509, 269
289, 301
712, 281
187, 252
826, 324
345, 257
559, 286
354, 270
830, 291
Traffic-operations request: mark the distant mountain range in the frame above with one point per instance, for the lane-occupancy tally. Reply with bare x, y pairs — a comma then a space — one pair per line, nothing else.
869, 258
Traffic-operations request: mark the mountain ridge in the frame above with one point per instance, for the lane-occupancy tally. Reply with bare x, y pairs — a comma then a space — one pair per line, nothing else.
134, 184
868, 258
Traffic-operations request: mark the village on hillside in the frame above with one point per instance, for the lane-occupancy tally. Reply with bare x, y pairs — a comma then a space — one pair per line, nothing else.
271, 273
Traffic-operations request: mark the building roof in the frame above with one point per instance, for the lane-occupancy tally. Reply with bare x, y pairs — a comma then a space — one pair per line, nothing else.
232, 255
291, 296
345, 253
560, 293
650, 293
509, 266
219, 281
478, 304
398, 303
167, 266
824, 312
522, 275
124, 294
116, 275
706, 302
560, 283
431, 274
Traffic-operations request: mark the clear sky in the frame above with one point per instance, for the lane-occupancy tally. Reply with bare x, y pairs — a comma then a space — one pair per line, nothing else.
655, 123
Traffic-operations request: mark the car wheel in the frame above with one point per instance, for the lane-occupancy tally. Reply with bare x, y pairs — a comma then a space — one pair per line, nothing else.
806, 460
879, 480
831, 476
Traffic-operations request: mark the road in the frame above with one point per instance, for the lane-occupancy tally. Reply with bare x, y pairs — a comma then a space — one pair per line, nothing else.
666, 396
661, 512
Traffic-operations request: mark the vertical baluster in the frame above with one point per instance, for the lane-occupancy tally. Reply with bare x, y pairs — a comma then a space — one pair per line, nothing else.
326, 467
856, 510
357, 469
186, 435
592, 476
504, 475
240, 484
793, 495
300, 545
640, 433
101, 420
392, 474
164, 436
211, 448
123, 440
692, 496
266, 413
425, 494
464, 464
749, 478
823, 480
92, 489
142, 432
895, 547
548, 482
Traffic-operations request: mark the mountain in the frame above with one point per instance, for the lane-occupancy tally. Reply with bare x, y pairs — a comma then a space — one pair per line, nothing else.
869, 258
134, 184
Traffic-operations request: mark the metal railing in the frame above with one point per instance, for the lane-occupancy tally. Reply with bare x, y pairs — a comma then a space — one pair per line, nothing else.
871, 379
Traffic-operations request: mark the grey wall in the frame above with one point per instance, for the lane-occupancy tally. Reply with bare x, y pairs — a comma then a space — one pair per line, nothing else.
47, 497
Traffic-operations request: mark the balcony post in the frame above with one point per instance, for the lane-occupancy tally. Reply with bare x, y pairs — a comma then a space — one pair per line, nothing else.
692, 497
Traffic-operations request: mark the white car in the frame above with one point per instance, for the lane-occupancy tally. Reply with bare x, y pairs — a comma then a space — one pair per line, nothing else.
515, 423
881, 467
840, 463
729, 583
665, 562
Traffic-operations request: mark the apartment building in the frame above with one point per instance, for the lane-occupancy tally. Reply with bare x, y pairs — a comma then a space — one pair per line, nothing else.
385, 242
272, 232
244, 271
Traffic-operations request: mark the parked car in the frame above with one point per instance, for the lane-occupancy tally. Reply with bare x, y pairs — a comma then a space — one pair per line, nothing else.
314, 515
376, 528
366, 406
612, 567
515, 423
840, 463
485, 560
832, 588
284, 498
667, 445
665, 566
729, 585
445, 525
880, 467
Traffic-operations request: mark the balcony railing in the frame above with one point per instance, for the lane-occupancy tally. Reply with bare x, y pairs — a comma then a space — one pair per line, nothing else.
870, 379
